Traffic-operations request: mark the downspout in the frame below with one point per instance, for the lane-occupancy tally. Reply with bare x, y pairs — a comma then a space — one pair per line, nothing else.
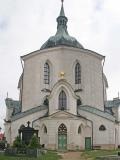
103, 83
21, 92
92, 128
35, 121
92, 131
46, 115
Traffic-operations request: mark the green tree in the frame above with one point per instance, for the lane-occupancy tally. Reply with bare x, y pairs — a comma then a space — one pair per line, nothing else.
34, 142
17, 142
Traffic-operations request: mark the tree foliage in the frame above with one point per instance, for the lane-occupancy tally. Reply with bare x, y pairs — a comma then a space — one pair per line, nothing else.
34, 142
17, 142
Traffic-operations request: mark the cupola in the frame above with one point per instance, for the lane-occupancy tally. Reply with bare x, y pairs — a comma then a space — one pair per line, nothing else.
62, 36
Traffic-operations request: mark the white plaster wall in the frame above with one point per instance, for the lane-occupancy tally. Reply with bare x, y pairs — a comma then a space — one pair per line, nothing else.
118, 110
9, 112
118, 127
73, 138
101, 137
117, 136
62, 59
8, 132
105, 92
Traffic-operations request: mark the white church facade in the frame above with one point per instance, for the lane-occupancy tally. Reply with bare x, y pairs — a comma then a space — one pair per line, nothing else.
63, 95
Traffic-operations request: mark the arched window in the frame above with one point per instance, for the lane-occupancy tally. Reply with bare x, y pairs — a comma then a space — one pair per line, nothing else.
45, 129
77, 74
78, 102
79, 130
62, 129
46, 73
46, 102
102, 128
62, 101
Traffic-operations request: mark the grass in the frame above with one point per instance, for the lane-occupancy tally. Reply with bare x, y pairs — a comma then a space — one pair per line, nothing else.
48, 156
96, 153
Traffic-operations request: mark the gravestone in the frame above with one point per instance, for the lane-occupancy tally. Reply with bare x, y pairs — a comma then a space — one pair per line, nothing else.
26, 133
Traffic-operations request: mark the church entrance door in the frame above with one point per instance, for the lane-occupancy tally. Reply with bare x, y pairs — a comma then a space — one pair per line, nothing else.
62, 137
62, 142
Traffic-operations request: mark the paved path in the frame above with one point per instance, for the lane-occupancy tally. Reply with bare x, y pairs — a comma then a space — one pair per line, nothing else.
71, 156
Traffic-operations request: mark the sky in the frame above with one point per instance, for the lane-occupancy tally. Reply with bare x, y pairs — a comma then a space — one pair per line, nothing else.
26, 24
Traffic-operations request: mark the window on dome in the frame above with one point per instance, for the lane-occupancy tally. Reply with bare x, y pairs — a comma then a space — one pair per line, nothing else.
77, 74
46, 73
62, 101
102, 128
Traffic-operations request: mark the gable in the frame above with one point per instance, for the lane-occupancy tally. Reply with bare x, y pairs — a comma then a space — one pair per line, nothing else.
62, 115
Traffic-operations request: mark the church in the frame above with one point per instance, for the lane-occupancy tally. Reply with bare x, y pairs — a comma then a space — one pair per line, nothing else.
62, 93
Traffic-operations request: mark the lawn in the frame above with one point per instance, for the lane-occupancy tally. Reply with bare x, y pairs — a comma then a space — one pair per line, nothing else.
49, 156
91, 155
96, 153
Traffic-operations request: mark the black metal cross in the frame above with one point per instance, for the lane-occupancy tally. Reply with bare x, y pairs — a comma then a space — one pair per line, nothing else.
28, 123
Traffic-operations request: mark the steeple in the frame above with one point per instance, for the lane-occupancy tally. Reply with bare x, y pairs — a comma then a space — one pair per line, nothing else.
62, 37
62, 21
62, 13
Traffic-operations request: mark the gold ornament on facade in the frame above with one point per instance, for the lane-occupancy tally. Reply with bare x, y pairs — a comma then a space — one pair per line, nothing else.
62, 74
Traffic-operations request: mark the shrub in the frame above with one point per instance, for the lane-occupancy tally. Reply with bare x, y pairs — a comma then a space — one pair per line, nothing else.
34, 142
17, 143
2, 144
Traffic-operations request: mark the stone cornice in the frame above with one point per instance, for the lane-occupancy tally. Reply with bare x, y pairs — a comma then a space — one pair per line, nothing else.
86, 51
